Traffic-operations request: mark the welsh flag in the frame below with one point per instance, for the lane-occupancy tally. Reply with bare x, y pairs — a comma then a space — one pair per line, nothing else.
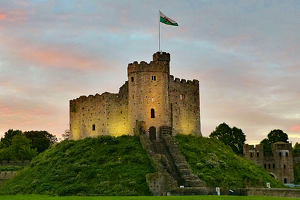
166, 20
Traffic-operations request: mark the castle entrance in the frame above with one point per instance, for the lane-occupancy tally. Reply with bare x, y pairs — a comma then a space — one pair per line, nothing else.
152, 133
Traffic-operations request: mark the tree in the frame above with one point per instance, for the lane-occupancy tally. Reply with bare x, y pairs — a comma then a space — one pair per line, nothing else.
274, 136
296, 149
18, 150
277, 135
8, 136
40, 140
233, 137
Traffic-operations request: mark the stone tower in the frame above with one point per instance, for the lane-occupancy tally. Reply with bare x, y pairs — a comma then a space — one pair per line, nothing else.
151, 96
148, 94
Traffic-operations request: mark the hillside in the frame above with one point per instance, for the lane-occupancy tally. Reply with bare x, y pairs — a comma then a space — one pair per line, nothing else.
118, 166
92, 166
217, 165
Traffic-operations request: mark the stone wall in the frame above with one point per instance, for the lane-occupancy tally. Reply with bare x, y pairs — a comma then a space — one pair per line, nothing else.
6, 175
105, 114
14, 163
279, 164
185, 106
276, 192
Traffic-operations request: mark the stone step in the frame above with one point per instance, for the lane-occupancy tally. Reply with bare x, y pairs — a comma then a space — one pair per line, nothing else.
194, 183
184, 172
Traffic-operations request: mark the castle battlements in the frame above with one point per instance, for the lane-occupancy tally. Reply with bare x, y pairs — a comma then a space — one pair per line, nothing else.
184, 81
150, 95
279, 162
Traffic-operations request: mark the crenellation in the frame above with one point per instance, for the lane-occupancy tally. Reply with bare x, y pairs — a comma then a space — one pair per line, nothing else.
150, 94
183, 81
279, 163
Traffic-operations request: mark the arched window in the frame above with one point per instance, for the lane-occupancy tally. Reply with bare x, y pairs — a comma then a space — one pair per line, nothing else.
93, 127
285, 180
152, 113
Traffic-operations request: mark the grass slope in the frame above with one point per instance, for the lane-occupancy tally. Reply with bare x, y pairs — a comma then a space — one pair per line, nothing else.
217, 165
92, 166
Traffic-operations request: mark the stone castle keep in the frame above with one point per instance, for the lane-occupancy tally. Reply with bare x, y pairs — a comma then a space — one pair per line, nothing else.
151, 98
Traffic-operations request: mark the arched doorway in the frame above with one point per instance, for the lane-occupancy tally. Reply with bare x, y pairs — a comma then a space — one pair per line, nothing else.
273, 175
152, 133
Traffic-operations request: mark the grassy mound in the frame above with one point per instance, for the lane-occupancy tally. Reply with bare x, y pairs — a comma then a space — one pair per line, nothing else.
217, 165
92, 166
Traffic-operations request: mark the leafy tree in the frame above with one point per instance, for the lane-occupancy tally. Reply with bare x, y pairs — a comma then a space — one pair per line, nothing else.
8, 136
274, 136
18, 150
233, 137
267, 146
277, 135
296, 149
40, 140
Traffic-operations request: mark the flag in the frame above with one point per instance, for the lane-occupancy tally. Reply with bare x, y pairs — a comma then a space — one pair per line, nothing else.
166, 20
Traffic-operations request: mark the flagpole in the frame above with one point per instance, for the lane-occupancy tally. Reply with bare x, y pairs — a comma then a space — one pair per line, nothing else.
159, 31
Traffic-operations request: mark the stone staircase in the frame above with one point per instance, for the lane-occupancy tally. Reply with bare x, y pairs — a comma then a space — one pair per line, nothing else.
173, 176
188, 179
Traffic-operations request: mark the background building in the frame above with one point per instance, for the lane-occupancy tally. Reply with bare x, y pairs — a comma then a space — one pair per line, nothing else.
279, 164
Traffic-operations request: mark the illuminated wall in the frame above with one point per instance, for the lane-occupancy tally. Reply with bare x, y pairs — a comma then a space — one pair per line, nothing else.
185, 105
150, 95
105, 114
148, 90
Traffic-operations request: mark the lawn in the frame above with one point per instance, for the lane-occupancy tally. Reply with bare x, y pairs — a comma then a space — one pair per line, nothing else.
43, 197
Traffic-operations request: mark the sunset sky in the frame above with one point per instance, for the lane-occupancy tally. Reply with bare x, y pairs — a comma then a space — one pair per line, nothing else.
245, 54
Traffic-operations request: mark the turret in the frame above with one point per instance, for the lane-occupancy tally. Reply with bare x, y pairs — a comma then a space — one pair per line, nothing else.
161, 56
148, 93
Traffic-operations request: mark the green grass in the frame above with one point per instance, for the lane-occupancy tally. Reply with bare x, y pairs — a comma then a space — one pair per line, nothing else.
93, 166
39, 197
117, 166
217, 165
11, 168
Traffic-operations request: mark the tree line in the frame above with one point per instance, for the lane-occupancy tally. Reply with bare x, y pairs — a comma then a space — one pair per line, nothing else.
16, 145
235, 138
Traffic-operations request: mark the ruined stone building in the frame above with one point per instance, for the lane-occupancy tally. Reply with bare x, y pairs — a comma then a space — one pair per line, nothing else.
279, 164
150, 96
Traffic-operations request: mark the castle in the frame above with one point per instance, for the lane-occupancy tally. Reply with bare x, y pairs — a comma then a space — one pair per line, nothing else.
279, 164
150, 98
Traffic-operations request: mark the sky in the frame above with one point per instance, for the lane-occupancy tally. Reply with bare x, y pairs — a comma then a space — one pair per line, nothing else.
244, 53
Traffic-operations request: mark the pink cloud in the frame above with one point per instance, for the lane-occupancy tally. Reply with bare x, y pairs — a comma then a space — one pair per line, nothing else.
295, 128
2, 16
51, 55
57, 58
14, 16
